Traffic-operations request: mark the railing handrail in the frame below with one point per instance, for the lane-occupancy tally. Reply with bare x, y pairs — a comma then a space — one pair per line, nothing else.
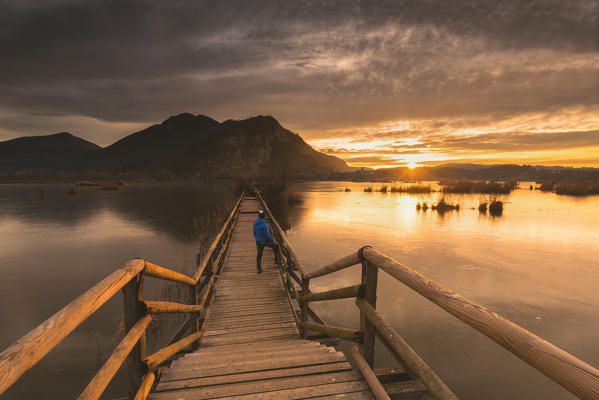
570, 372
283, 237
31, 348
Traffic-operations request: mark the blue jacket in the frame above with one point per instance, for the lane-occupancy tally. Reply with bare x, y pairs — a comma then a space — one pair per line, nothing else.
261, 232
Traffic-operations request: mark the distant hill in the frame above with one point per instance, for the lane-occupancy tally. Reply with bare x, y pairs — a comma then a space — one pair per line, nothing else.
50, 153
182, 146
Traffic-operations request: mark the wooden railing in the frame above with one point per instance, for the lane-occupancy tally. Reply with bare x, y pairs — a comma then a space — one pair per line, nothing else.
573, 374
27, 351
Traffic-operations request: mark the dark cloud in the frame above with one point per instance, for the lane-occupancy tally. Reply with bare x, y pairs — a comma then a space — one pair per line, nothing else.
315, 65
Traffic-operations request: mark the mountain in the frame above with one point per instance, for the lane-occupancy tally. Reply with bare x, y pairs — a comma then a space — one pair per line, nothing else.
57, 152
182, 146
186, 145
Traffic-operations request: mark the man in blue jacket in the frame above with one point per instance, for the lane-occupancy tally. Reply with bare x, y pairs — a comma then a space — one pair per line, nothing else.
263, 238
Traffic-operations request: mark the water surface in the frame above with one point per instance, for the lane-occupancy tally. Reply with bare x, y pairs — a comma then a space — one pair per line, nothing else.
536, 265
55, 247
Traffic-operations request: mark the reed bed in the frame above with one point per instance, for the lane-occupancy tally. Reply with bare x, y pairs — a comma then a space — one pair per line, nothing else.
414, 189
485, 187
577, 188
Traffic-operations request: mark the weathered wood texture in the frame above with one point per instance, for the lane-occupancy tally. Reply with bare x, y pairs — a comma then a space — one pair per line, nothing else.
369, 282
338, 265
341, 293
98, 384
368, 374
572, 373
406, 354
251, 346
167, 274
28, 350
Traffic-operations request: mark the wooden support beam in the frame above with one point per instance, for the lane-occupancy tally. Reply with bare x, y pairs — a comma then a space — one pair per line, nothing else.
27, 351
415, 364
167, 274
369, 282
338, 265
98, 384
164, 354
342, 293
133, 311
563, 368
334, 331
375, 386
304, 306
159, 307
145, 387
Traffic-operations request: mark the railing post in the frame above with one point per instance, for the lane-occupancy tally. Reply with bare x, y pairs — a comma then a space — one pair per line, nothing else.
304, 305
133, 297
369, 284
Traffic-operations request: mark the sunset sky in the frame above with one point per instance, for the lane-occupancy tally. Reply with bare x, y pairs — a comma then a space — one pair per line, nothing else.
377, 83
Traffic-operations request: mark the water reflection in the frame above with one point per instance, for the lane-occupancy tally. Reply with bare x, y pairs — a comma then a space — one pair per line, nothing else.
536, 265
53, 249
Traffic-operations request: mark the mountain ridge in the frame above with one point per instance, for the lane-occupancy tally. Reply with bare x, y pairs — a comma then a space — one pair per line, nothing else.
182, 146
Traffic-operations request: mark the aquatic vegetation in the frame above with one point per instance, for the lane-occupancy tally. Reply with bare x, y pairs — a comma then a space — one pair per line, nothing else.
489, 187
496, 207
383, 189
482, 207
577, 188
73, 190
368, 189
87, 183
293, 196
110, 185
443, 206
347, 189
411, 189
547, 186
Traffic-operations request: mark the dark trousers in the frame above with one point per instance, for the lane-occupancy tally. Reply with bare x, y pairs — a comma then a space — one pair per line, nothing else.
260, 246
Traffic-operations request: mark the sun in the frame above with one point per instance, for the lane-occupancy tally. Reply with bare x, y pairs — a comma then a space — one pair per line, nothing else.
412, 165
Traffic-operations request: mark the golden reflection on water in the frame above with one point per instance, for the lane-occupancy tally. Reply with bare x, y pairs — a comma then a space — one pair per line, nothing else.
535, 264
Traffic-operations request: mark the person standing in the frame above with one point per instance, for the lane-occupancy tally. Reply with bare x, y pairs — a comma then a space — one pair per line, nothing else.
263, 239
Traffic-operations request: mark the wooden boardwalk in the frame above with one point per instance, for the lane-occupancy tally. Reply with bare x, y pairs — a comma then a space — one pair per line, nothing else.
251, 348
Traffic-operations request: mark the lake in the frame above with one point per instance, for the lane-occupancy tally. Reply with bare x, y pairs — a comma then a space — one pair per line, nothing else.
536, 264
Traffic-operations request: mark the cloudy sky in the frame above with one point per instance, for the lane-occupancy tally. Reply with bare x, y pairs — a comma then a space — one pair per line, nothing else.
378, 83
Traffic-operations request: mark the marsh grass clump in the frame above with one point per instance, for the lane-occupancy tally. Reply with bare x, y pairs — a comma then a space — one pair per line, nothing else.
292, 196
577, 188
383, 189
423, 206
347, 190
487, 187
482, 207
73, 190
547, 186
496, 207
411, 189
87, 183
443, 206
368, 189
110, 186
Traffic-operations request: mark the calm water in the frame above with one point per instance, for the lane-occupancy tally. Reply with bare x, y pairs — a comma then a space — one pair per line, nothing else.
53, 249
536, 265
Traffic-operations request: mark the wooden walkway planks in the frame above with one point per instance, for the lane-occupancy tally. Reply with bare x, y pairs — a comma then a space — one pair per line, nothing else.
251, 348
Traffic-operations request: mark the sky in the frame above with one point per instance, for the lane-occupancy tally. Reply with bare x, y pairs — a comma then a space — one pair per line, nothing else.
379, 83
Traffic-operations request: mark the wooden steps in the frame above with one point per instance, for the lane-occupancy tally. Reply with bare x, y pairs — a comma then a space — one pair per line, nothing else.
251, 348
